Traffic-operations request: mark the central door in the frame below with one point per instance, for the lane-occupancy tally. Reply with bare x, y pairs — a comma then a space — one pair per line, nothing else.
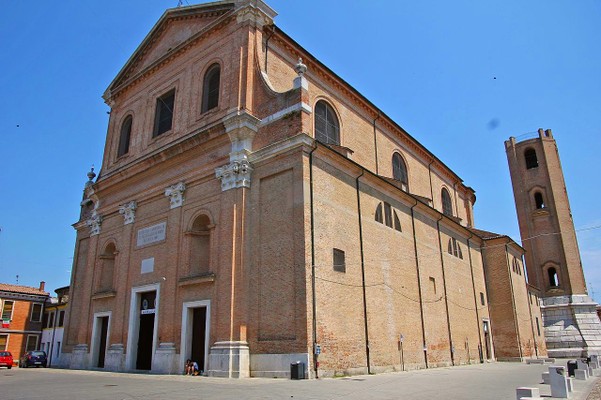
146, 331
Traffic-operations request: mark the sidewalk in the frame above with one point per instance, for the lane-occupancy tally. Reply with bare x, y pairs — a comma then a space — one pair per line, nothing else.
478, 381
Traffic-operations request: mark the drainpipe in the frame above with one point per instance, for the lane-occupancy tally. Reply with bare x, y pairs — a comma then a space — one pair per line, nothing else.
515, 316
313, 295
469, 252
446, 301
363, 272
419, 286
267, 47
376, 143
430, 176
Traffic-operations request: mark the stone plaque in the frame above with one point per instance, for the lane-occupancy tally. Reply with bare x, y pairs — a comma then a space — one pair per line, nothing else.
151, 234
147, 265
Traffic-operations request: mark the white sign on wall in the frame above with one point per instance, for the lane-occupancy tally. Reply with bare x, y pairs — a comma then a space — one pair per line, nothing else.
151, 234
147, 265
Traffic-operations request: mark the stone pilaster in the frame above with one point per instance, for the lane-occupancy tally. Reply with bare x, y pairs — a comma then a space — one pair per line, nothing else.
229, 359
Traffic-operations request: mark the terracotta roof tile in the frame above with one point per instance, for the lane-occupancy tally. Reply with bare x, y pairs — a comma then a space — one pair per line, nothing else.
22, 289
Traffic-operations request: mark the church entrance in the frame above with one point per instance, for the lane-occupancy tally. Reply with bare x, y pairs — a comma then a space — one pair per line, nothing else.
196, 324
146, 330
103, 325
197, 353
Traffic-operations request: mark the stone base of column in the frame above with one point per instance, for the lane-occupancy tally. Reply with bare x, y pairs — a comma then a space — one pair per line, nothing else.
229, 360
115, 358
572, 327
165, 360
80, 357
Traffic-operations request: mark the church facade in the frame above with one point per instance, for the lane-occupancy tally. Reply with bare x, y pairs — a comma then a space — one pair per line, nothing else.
254, 210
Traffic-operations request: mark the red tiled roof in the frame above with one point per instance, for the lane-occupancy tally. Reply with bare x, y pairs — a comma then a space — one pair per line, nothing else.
22, 289
486, 234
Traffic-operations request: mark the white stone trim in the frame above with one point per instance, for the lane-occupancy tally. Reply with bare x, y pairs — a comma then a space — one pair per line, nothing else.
278, 115
94, 344
186, 335
133, 329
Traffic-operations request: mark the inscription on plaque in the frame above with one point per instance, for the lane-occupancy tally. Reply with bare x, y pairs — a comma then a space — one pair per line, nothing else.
151, 234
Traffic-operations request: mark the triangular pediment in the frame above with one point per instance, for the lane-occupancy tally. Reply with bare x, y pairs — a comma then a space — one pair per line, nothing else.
174, 29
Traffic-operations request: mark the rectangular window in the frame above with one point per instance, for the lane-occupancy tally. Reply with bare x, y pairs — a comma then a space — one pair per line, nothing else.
3, 342
61, 318
58, 349
36, 312
32, 343
537, 327
482, 300
339, 260
7, 310
163, 118
51, 320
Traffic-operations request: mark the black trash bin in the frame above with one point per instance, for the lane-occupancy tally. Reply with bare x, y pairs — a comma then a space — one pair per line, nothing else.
572, 367
297, 370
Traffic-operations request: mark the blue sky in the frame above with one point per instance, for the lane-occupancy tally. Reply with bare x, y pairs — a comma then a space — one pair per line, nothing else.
461, 77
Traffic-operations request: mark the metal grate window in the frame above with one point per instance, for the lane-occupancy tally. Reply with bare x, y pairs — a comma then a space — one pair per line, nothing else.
339, 260
125, 136
399, 170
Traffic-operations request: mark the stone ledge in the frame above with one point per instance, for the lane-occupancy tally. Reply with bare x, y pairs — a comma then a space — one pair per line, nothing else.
196, 280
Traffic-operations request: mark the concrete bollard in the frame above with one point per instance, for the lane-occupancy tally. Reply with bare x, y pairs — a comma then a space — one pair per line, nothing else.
595, 361
545, 376
581, 374
526, 392
581, 364
558, 381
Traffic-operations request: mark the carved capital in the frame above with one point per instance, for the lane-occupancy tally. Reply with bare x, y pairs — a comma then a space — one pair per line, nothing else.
94, 223
234, 175
128, 210
176, 194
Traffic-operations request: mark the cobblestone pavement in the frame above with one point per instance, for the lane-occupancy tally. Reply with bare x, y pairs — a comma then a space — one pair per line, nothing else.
479, 381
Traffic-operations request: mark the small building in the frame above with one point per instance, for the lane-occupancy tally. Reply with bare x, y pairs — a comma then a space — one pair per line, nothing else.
513, 304
53, 325
22, 310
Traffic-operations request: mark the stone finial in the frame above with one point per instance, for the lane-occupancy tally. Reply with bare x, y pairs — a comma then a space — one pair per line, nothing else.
300, 67
128, 210
176, 194
94, 223
91, 176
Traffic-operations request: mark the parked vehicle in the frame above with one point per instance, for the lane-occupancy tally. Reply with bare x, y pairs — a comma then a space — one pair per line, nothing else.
33, 359
6, 359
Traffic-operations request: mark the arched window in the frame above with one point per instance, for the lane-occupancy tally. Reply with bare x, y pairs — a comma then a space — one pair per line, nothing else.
327, 129
454, 248
379, 215
200, 246
107, 268
553, 278
538, 199
124, 136
399, 170
516, 266
387, 216
447, 205
531, 159
210, 88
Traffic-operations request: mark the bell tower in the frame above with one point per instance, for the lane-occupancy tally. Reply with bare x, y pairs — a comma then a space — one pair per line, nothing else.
552, 256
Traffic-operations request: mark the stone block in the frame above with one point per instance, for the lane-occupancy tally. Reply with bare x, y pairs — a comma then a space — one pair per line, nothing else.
545, 376
558, 381
527, 392
581, 374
